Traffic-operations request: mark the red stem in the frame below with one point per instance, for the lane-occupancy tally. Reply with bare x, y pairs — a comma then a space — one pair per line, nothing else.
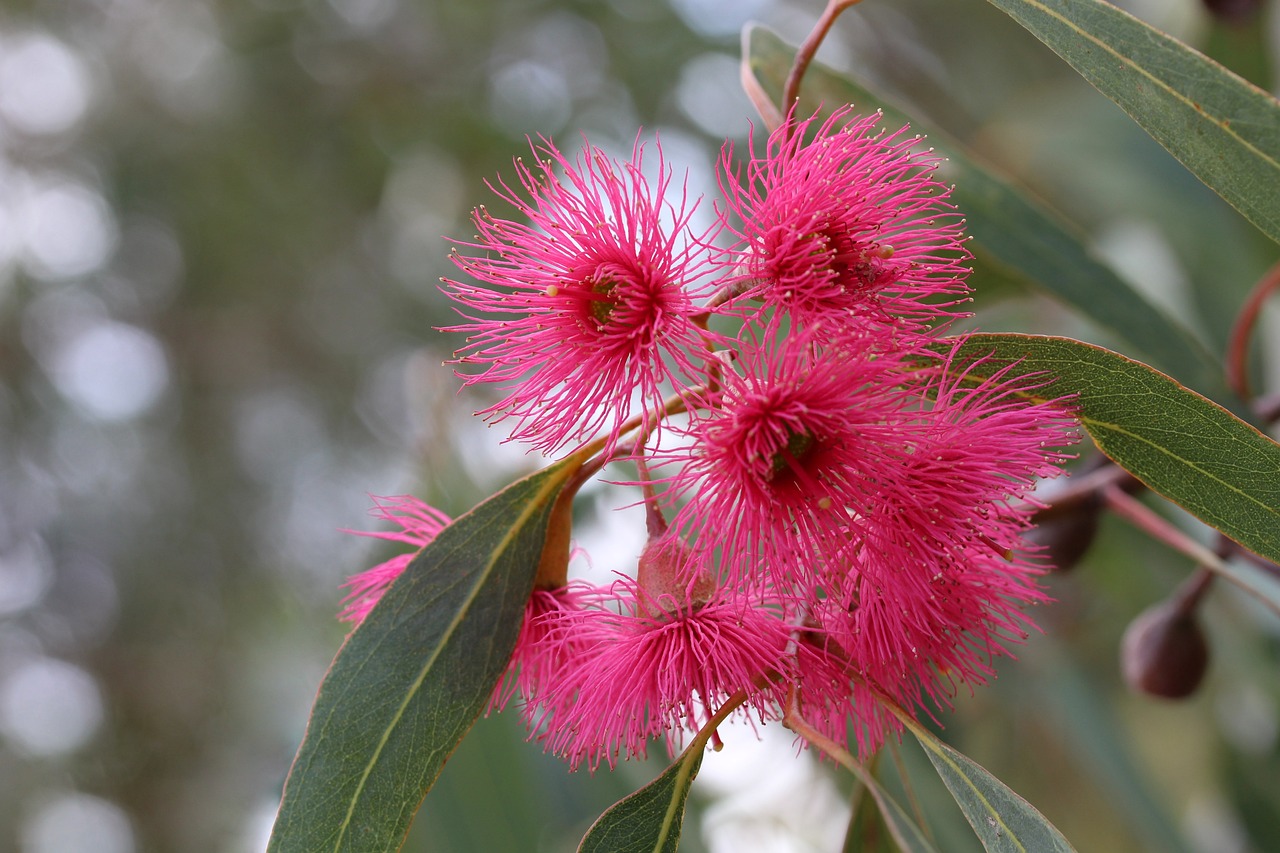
804, 56
1085, 490
1238, 343
1188, 596
1133, 510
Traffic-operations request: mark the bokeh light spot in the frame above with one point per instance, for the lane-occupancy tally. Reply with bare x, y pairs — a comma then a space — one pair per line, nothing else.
78, 822
112, 371
66, 229
49, 707
25, 575
44, 88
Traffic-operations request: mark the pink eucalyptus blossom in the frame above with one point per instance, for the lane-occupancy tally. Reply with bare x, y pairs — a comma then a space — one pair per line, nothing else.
582, 314
882, 493
934, 585
657, 665
802, 435
419, 525
543, 646
833, 697
841, 219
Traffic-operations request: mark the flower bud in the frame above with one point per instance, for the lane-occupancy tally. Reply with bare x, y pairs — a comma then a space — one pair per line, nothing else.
1164, 652
667, 574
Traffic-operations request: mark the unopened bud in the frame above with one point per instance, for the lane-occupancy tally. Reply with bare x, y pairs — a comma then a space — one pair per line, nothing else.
667, 571
1065, 539
1164, 652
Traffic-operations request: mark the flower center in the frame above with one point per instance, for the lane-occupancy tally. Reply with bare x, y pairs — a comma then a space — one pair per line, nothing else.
854, 264
600, 297
799, 446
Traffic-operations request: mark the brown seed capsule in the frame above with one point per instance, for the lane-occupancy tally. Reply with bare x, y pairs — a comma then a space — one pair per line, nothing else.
1065, 539
1164, 653
1233, 11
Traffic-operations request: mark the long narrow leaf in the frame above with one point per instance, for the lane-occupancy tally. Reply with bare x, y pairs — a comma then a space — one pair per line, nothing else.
1181, 445
909, 837
1220, 126
650, 820
1002, 820
412, 679
1014, 234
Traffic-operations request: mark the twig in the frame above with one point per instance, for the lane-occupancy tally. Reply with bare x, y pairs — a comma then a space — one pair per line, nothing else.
804, 56
1238, 342
1143, 517
1086, 490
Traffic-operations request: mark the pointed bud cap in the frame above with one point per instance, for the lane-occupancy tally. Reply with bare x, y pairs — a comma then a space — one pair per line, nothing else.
1164, 652
667, 575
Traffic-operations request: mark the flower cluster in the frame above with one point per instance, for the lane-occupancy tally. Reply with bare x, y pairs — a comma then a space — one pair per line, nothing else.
846, 493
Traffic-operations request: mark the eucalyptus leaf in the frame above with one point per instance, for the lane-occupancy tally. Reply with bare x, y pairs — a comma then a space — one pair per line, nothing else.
909, 837
1003, 821
650, 820
1016, 238
411, 680
1220, 126
1181, 445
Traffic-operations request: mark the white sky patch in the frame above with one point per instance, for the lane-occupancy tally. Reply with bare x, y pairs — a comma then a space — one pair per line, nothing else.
766, 798
710, 94
614, 538
255, 832
718, 17
1140, 253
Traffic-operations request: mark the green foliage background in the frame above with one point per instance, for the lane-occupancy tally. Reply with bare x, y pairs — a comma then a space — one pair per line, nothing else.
279, 174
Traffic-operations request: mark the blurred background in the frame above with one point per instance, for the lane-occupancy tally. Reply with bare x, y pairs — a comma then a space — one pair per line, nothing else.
221, 229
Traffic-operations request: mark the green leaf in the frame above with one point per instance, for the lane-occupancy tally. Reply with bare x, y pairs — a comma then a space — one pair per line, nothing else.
867, 832
1014, 235
1002, 820
1181, 445
648, 821
1221, 127
412, 679
909, 837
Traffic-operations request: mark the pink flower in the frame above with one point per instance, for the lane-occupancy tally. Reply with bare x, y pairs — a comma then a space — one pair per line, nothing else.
543, 647
419, 525
585, 312
934, 584
881, 494
835, 699
932, 587
654, 666
801, 437
849, 223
